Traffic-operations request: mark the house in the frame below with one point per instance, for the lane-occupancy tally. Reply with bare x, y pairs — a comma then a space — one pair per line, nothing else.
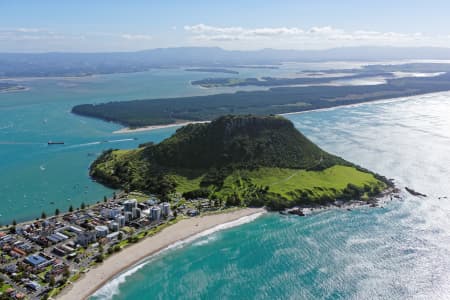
32, 285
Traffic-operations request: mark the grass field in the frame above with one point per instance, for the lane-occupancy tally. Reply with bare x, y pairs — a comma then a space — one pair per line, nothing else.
336, 178
288, 183
330, 181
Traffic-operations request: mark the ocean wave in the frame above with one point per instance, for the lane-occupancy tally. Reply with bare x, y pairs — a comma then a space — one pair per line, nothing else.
111, 288
98, 143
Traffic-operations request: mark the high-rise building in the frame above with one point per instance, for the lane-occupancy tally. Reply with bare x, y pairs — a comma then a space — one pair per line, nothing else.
129, 204
155, 213
165, 209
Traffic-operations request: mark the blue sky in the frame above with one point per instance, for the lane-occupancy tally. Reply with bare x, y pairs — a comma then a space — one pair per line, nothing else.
101, 25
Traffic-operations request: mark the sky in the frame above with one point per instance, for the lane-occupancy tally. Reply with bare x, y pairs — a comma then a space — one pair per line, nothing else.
113, 25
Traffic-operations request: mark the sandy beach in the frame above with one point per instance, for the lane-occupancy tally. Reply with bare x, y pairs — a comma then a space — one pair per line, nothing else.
154, 127
119, 262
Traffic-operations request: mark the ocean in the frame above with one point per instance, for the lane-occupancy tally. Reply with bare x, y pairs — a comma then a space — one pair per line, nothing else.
398, 251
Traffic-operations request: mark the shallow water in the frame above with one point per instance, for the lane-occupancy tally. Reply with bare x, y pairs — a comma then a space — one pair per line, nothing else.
34, 175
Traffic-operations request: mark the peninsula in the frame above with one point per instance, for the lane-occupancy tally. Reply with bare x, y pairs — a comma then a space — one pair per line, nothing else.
276, 100
239, 161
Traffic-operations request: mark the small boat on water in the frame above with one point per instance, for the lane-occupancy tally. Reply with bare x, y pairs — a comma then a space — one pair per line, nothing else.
55, 143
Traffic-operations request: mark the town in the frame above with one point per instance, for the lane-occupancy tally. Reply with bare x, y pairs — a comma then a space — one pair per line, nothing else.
39, 258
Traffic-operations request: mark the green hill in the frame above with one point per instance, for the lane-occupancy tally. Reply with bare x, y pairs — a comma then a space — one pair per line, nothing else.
241, 160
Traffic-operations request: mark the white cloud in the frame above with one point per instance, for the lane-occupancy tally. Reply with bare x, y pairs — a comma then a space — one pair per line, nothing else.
33, 34
321, 37
136, 36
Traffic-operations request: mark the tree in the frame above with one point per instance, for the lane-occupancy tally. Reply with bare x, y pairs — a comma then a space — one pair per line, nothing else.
57, 212
66, 271
43, 215
14, 223
70, 208
105, 199
52, 281
120, 236
114, 195
83, 206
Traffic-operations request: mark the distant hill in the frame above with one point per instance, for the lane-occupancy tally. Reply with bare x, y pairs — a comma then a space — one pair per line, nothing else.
244, 160
82, 64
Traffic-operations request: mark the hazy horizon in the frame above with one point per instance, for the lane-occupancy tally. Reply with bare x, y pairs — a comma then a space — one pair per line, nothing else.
86, 26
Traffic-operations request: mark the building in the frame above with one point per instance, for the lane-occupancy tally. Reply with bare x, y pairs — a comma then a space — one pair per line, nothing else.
85, 238
165, 209
105, 212
120, 220
129, 204
192, 212
114, 226
101, 231
33, 285
37, 261
136, 213
114, 212
110, 213
58, 251
75, 229
155, 213
128, 216
113, 236
151, 202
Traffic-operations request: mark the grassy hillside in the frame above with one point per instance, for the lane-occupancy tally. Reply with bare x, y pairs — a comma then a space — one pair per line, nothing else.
241, 160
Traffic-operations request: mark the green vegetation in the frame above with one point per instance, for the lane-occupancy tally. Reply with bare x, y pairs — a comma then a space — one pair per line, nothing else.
4, 287
273, 101
238, 160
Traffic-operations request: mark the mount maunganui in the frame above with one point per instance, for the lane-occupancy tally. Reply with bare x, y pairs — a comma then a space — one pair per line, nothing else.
239, 160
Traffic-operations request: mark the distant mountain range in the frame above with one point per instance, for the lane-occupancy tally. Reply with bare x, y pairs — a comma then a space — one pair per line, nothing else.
81, 64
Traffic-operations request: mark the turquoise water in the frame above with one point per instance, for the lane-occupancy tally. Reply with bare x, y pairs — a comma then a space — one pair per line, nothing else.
398, 251
35, 177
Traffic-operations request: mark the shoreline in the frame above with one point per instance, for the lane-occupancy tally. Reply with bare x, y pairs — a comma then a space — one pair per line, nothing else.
15, 89
387, 100
155, 127
116, 264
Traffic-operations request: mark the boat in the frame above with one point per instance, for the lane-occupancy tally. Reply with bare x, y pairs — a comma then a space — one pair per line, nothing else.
55, 143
